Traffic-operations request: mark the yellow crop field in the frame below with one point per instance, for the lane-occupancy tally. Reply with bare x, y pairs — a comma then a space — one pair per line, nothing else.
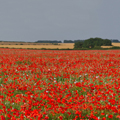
39, 46
106, 46
44, 45
114, 44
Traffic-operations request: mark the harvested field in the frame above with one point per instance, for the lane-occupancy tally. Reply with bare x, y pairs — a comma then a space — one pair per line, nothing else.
23, 43
106, 46
39, 46
114, 44
43, 45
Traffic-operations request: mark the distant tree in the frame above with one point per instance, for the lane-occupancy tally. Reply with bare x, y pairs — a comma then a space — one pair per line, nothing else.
78, 41
98, 41
107, 42
48, 41
115, 40
68, 41
92, 43
89, 43
78, 44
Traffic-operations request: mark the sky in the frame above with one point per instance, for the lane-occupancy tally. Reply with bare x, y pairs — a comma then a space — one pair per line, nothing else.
32, 20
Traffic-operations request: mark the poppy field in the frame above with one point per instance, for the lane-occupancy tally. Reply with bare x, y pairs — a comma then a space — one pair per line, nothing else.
59, 85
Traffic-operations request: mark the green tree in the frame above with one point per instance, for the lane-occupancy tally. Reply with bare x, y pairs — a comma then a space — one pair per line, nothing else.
92, 43
78, 45
107, 42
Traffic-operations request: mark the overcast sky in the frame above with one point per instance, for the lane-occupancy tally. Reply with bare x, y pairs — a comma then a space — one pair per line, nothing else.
32, 20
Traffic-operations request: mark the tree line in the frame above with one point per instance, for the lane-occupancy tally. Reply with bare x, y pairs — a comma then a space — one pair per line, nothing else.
99, 41
48, 41
56, 41
92, 43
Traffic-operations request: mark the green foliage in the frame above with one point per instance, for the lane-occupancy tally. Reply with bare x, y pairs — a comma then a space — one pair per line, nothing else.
107, 42
68, 41
78, 44
48, 41
92, 43
115, 41
115, 47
